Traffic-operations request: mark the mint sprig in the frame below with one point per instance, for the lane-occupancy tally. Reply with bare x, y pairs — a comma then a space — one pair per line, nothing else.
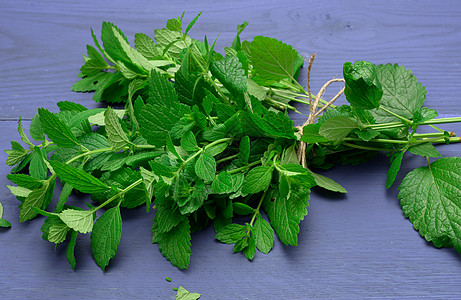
206, 139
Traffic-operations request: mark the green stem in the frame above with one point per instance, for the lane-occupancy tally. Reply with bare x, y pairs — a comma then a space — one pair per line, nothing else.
426, 135
409, 122
226, 159
366, 147
387, 141
244, 167
88, 153
259, 206
118, 195
442, 121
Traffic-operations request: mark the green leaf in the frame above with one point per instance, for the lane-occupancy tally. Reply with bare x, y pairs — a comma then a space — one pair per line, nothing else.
257, 180
188, 142
72, 106
161, 91
367, 135
91, 83
402, 93
263, 235
165, 37
35, 199
115, 134
37, 167
25, 181
106, 235
22, 134
362, 87
56, 130
285, 214
231, 74
273, 59
205, 167
328, 183
184, 294
79, 220
17, 155
57, 233
244, 149
250, 250
175, 245
425, 149
396, 161
79, 179
71, 249
189, 26
157, 121
337, 128
4, 223
231, 233
36, 131
222, 183
431, 198
167, 218
99, 118
242, 209
424, 114
19, 191
311, 134
146, 46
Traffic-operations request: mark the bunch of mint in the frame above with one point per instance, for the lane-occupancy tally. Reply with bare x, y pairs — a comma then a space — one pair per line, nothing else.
204, 138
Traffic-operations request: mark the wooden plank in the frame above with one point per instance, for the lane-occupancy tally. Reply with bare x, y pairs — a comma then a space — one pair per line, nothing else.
357, 245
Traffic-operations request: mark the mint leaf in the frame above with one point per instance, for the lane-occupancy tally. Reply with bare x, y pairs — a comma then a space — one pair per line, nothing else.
362, 87
79, 179
171, 39
56, 129
285, 214
244, 149
328, 183
311, 134
257, 180
396, 161
430, 198
106, 235
25, 181
161, 91
272, 59
184, 294
231, 233
35, 199
146, 46
337, 128
402, 93
263, 235
37, 167
115, 134
71, 249
57, 233
167, 218
242, 209
157, 121
175, 245
205, 167
36, 131
188, 142
231, 74
222, 183
79, 220
425, 149
19, 191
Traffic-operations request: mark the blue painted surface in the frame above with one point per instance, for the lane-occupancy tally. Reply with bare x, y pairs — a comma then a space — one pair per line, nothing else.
353, 246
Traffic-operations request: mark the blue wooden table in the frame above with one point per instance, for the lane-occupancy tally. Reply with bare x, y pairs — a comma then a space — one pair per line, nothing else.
354, 246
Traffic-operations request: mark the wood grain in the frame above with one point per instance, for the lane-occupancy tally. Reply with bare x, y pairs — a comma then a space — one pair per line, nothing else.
353, 246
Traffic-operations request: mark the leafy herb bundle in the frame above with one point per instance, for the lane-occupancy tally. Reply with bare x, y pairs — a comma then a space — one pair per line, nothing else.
204, 138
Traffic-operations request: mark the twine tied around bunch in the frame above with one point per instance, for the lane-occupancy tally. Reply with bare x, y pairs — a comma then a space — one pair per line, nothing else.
313, 112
